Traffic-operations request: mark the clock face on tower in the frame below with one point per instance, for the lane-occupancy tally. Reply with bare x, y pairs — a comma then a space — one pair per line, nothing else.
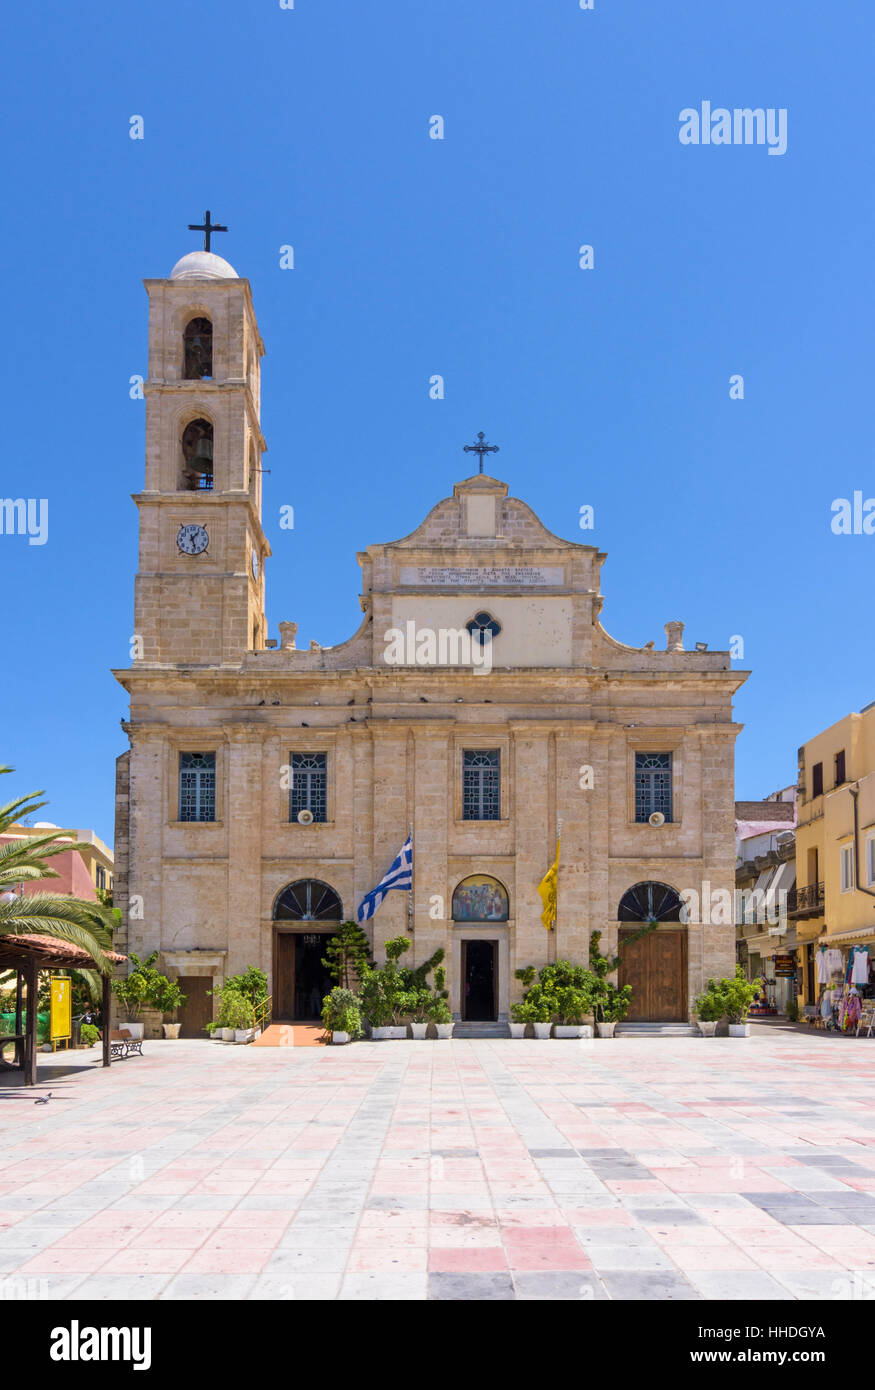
254, 564
192, 539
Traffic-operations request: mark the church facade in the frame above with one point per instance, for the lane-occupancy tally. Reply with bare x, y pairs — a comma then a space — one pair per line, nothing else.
480, 704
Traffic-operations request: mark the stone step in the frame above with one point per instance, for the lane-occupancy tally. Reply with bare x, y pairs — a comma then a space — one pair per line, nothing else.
655, 1030
481, 1030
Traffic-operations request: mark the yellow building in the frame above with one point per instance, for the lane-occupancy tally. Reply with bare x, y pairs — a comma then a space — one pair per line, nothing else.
833, 904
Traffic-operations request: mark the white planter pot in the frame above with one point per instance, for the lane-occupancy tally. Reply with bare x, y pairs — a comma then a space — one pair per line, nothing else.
542, 1030
389, 1033
338, 1037
171, 1030
739, 1030
572, 1030
243, 1035
707, 1029
606, 1030
517, 1030
217, 1035
444, 1030
228, 1034
136, 1030
419, 1030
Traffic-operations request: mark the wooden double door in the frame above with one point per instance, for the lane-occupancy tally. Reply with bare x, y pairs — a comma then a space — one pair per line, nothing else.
656, 967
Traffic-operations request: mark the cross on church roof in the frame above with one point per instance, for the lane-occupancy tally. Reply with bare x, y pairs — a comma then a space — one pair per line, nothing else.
207, 227
480, 448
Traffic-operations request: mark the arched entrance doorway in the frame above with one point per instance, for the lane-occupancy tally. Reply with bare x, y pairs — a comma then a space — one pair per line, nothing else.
655, 965
478, 901
306, 914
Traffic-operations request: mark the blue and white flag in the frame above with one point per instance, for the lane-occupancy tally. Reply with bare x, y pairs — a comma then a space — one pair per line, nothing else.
400, 875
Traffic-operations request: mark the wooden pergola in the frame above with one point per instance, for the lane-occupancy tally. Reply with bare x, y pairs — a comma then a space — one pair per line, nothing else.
27, 956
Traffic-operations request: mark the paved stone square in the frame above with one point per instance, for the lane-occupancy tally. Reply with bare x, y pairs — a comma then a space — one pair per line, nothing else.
642, 1169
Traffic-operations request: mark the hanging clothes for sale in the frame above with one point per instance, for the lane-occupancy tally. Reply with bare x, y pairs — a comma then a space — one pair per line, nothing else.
858, 966
849, 1010
834, 963
822, 971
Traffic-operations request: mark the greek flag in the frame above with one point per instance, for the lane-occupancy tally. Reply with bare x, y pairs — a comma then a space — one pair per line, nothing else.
400, 875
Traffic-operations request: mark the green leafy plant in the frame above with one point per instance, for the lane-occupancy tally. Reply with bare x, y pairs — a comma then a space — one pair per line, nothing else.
392, 993
708, 1007
383, 992
252, 984
732, 995
341, 1012
792, 1009
89, 1034
235, 1009
168, 996
347, 953
439, 1006
537, 1007
137, 989
611, 1003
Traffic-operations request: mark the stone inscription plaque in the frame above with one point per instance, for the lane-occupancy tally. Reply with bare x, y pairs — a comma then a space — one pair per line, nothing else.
483, 576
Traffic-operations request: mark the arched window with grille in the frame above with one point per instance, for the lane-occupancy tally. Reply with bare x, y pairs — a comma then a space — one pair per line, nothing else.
650, 902
308, 900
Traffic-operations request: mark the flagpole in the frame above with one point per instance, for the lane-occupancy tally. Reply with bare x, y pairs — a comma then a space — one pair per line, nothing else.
558, 848
410, 893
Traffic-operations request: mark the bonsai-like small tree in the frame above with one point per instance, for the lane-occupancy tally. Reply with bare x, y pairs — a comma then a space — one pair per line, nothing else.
346, 955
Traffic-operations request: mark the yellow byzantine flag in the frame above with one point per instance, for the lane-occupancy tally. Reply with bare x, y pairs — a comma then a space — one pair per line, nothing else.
548, 888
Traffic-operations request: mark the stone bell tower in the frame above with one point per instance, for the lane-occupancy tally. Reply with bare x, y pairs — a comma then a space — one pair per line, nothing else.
199, 593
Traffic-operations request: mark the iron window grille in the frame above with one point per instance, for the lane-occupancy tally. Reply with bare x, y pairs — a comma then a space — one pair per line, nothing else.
309, 785
481, 785
483, 628
653, 790
197, 786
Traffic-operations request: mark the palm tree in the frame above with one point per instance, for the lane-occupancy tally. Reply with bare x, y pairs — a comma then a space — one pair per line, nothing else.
23, 860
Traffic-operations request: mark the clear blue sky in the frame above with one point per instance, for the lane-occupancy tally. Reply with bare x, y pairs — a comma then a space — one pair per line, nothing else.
458, 257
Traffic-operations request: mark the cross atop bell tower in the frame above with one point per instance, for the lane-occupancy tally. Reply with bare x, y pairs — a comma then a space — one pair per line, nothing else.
207, 228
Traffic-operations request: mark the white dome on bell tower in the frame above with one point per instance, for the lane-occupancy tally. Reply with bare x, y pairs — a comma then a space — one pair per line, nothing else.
203, 265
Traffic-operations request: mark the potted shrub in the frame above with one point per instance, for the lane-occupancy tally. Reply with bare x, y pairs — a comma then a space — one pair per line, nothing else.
571, 989
384, 996
133, 991
341, 1015
439, 1007
89, 1034
239, 1016
418, 1010
519, 1014
611, 1003
738, 995
709, 1009
216, 1031
168, 997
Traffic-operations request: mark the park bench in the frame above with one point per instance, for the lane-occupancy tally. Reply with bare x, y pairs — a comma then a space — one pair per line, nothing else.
121, 1044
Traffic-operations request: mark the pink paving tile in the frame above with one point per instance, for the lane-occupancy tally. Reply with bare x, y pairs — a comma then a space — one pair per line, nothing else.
627, 1187
710, 1257
179, 1238
771, 1257
239, 1261
541, 1257
164, 1261
531, 1216
205, 1219
69, 1260
389, 1259
457, 1261
601, 1216
446, 1237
